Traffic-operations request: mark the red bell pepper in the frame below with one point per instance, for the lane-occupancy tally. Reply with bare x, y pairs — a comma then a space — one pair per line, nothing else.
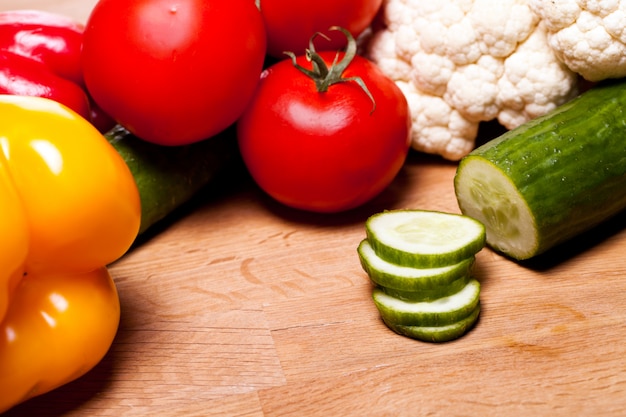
40, 54
23, 76
52, 39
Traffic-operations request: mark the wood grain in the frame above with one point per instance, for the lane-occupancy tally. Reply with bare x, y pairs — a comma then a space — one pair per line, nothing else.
242, 307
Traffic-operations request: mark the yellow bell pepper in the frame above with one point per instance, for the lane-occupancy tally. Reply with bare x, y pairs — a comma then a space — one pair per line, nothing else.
70, 207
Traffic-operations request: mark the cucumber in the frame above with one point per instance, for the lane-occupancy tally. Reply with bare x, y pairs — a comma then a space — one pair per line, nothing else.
409, 279
438, 333
440, 312
429, 294
424, 239
168, 177
538, 185
420, 262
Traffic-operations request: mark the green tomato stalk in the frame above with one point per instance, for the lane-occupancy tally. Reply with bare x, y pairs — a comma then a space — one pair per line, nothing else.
323, 76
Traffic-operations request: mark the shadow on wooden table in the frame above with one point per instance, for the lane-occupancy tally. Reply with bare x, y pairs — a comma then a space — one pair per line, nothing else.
578, 245
71, 396
396, 195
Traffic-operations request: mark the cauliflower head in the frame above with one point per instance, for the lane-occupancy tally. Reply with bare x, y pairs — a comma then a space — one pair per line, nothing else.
589, 36
462, 62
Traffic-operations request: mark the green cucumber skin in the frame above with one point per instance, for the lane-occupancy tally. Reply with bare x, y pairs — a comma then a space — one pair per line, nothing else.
569, 167
411, 259
419, 260
428, 294
167, 177
437, 334
426, 318
414, 284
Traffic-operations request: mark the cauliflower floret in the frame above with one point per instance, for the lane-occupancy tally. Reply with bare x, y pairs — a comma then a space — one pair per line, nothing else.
442, 128
462, 62
589, 36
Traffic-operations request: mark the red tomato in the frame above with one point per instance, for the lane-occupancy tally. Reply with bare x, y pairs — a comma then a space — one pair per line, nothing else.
173, 71
324, 151
291, 23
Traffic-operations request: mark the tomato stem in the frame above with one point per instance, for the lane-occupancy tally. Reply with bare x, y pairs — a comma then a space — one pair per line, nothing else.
322, 75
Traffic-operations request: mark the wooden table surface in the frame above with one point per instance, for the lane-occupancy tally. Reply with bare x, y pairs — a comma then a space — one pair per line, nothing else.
242, 307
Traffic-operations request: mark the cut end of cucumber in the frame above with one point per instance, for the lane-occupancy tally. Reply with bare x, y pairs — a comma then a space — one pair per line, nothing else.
424, 239
486, 194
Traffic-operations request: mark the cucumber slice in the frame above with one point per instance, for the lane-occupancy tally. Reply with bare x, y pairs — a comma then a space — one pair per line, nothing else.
439, 312
438, 334
428, 294
405, 278
424, 239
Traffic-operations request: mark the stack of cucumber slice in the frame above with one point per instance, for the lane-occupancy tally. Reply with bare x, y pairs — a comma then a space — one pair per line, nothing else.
421, 262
